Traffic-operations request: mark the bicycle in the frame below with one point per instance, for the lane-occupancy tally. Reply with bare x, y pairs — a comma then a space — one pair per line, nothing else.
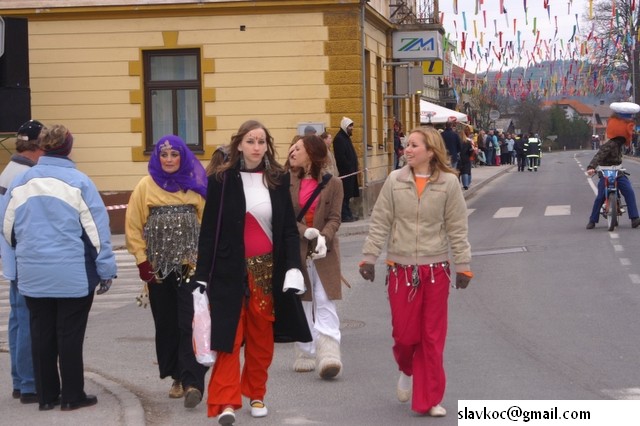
612, 207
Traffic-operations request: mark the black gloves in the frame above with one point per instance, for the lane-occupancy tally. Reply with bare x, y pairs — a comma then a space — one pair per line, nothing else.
462, 279
104, 286
368, 271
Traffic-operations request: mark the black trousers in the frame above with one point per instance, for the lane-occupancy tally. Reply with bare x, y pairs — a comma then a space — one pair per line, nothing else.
346, 209
58, 327
172, 310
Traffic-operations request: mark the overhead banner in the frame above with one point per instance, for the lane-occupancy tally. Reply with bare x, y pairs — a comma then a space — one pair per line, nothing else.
417, 45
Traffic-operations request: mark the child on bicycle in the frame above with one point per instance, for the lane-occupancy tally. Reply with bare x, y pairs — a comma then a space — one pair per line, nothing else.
619, 132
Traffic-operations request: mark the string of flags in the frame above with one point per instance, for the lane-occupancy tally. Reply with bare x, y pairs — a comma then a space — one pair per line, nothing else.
527, 60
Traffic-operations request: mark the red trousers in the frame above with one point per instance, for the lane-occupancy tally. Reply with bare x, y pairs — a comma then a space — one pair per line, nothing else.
419, 329
255, 329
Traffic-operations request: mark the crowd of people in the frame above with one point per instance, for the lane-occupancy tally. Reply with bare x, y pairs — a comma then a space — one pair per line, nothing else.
468, 149
260, 239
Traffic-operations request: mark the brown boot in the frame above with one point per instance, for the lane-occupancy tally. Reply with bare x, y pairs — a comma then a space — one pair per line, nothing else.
176, 390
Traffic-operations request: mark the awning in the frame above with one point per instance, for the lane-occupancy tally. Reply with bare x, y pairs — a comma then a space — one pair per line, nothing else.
439, 114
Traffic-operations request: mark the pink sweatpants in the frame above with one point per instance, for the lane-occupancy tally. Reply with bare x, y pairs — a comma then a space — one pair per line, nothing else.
419, 329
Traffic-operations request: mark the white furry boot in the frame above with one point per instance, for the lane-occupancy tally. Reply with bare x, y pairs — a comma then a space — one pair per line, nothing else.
304, 362
328, 354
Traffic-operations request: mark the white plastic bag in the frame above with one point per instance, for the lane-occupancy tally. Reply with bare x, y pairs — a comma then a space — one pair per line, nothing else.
202, 329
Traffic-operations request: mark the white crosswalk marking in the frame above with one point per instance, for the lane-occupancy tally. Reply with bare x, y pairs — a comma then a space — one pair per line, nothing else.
505, 212
557, 211
625, 393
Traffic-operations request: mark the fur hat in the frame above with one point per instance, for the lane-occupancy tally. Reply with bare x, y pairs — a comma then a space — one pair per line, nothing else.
56, 140
346, 122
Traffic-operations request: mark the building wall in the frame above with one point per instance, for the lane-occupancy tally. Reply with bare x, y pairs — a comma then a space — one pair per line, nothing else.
285, 68
277, 63
91, 81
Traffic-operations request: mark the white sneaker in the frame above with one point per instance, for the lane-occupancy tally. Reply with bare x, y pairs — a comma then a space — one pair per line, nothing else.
403, 391
227, 417
437, 411
258, 409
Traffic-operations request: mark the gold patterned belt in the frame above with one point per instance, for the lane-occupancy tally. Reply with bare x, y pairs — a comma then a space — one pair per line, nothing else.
261, 268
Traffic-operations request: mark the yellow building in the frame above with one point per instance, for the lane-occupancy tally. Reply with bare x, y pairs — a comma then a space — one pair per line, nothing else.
121, 73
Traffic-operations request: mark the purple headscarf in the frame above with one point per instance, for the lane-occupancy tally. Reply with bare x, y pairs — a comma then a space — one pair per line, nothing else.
190, 176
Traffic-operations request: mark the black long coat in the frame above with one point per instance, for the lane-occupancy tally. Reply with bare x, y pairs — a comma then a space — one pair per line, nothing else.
228, 283
464, 165
347, 162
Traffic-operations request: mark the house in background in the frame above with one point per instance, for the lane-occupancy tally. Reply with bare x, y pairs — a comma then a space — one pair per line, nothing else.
121, 73
596, 115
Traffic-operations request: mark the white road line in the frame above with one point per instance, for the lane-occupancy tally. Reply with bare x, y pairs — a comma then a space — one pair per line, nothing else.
561, 210
505, 212
635, 278
618, 248
625, 393
625, 262
469, 211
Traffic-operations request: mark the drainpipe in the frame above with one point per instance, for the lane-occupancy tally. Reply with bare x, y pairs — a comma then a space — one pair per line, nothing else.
365, 150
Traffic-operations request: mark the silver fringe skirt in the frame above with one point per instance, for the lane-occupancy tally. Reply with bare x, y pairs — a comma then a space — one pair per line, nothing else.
171, 233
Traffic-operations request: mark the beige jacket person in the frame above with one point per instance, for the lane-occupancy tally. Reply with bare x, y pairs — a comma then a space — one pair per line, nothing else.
327, 220
419, 231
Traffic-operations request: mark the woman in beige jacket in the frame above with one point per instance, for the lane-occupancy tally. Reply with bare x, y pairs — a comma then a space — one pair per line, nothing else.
421, 216
320, 247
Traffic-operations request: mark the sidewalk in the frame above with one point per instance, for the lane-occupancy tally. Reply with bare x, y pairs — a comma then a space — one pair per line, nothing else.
118, 405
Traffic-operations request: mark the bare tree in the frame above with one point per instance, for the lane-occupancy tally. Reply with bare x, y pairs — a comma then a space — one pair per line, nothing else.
613, 34
531, 118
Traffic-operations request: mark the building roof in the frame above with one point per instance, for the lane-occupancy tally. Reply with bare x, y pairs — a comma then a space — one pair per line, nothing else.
579, 107
51, 4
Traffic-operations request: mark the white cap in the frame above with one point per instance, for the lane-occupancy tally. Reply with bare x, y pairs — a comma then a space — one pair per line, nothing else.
625, 109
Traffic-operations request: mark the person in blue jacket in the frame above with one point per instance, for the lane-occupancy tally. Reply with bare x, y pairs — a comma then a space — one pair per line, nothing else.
24, 384
57, 223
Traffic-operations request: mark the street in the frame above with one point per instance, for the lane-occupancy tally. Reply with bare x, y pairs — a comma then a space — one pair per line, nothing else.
550, 314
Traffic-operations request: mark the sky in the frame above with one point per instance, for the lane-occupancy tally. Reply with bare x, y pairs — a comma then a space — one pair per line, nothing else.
532, 31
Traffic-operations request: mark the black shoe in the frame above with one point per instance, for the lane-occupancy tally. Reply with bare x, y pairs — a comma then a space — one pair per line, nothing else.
635, 222
29, 398
349, 219
49, 405
15, 394
465, 187
592, 225
192, 397
88, 401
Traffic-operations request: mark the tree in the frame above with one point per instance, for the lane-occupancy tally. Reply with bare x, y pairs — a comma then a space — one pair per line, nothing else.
531, 118
481, 102
613, 36
571, 133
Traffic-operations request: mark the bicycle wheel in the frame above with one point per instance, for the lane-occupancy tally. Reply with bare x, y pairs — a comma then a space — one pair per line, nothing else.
612, 213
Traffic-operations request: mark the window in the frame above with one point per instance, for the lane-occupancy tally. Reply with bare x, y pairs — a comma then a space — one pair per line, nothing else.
173, 96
